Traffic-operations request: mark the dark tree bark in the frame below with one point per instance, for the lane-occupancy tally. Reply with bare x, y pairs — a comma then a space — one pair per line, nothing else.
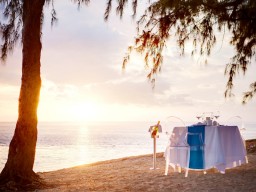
19, 166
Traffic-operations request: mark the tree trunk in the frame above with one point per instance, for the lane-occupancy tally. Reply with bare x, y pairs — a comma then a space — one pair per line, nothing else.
20, 162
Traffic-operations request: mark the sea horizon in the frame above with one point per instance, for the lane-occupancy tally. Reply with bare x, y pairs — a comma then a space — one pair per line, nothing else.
67, 144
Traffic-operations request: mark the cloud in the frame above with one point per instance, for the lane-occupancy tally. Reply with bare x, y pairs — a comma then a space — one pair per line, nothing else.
84, 52
81, 68
9, 95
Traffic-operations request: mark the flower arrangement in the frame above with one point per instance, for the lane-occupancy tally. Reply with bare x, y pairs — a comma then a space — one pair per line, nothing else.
155, 130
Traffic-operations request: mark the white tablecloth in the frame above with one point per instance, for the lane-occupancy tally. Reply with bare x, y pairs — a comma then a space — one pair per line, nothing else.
224, 148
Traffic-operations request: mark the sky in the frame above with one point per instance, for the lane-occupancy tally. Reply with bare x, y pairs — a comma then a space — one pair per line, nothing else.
83, 80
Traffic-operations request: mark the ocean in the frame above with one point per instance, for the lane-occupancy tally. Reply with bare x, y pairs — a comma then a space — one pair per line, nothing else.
63, 145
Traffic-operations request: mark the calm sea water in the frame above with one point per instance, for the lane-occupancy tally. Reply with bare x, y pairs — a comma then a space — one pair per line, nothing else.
62, 145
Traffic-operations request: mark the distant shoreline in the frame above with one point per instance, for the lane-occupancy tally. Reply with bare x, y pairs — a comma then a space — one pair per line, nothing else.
250, 145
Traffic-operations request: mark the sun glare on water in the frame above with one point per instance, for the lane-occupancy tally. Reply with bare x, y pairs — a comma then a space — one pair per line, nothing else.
83, 151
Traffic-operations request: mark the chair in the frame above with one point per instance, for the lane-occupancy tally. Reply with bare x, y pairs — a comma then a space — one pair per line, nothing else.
175, 129
177, 151
195, 143
237, 121
171, 122
182, 147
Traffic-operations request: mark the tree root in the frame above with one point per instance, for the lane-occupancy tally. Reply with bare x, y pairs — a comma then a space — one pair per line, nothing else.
23, 184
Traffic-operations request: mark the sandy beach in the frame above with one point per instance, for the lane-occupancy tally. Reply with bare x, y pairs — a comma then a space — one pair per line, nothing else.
134, 174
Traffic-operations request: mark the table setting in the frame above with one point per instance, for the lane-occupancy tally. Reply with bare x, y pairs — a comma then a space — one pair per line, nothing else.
205, 145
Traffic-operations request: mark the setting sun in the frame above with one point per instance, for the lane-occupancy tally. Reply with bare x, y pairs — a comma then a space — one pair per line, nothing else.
83, 111
68, 110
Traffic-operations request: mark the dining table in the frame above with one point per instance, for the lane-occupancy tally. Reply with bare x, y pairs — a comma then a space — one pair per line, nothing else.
202, 147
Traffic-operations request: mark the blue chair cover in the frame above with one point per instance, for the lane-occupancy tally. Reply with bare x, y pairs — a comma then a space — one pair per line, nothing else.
196, 146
